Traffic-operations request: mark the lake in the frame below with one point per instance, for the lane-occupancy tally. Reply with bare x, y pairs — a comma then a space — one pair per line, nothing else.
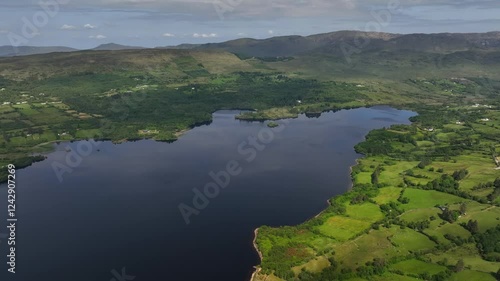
117, 212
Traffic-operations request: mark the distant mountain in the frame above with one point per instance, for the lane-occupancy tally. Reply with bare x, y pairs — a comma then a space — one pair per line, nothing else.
319, 56
115, 47
333, 43
10, 51
181, 47
180, 63
336, 43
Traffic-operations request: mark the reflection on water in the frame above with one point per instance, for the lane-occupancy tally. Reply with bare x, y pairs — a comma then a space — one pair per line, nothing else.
119, 207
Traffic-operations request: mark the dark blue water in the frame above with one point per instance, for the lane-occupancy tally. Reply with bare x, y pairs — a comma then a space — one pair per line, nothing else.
119, 208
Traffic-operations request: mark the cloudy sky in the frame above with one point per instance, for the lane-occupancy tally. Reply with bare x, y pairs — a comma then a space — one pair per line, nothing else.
151, 23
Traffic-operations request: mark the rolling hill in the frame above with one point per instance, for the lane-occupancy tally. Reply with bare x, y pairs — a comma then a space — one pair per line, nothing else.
10, 51
115, 47
343, 54
333, 43
336, 43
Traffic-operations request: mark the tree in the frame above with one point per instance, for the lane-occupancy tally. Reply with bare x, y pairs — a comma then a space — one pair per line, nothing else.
493, 195
459, 175
459, 266
379, 262
496, 183
375, 174
463, 208
473, 226
404, 200
424, 163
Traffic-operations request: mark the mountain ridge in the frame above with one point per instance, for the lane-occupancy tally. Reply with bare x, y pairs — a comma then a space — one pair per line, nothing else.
336, 43
345, 41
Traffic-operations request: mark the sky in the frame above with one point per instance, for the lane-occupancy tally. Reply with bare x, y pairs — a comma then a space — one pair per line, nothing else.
85, 24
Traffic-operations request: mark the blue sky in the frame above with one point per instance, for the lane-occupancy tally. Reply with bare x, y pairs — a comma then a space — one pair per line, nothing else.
151, 23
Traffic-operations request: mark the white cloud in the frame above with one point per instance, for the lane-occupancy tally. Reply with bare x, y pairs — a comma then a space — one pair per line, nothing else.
270, 31
3, 31
168, 35
89, 26
241, 34
204, 35
68, 27
100, 36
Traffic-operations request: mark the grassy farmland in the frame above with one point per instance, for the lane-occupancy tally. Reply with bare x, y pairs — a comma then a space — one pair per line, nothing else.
422, 207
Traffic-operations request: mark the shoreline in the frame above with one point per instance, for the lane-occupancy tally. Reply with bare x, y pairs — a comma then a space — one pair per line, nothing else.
349, 189
256, 231
350, 171
182, 132
256, 267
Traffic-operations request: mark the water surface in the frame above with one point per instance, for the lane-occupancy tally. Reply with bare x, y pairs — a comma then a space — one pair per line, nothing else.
119, 207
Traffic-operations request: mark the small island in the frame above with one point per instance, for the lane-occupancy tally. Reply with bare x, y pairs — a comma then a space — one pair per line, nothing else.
272, 124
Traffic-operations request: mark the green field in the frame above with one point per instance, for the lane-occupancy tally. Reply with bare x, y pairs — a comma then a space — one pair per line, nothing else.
341, 228
469, 275
417, 267
410, 214
410, 240
387, 194
428, 198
